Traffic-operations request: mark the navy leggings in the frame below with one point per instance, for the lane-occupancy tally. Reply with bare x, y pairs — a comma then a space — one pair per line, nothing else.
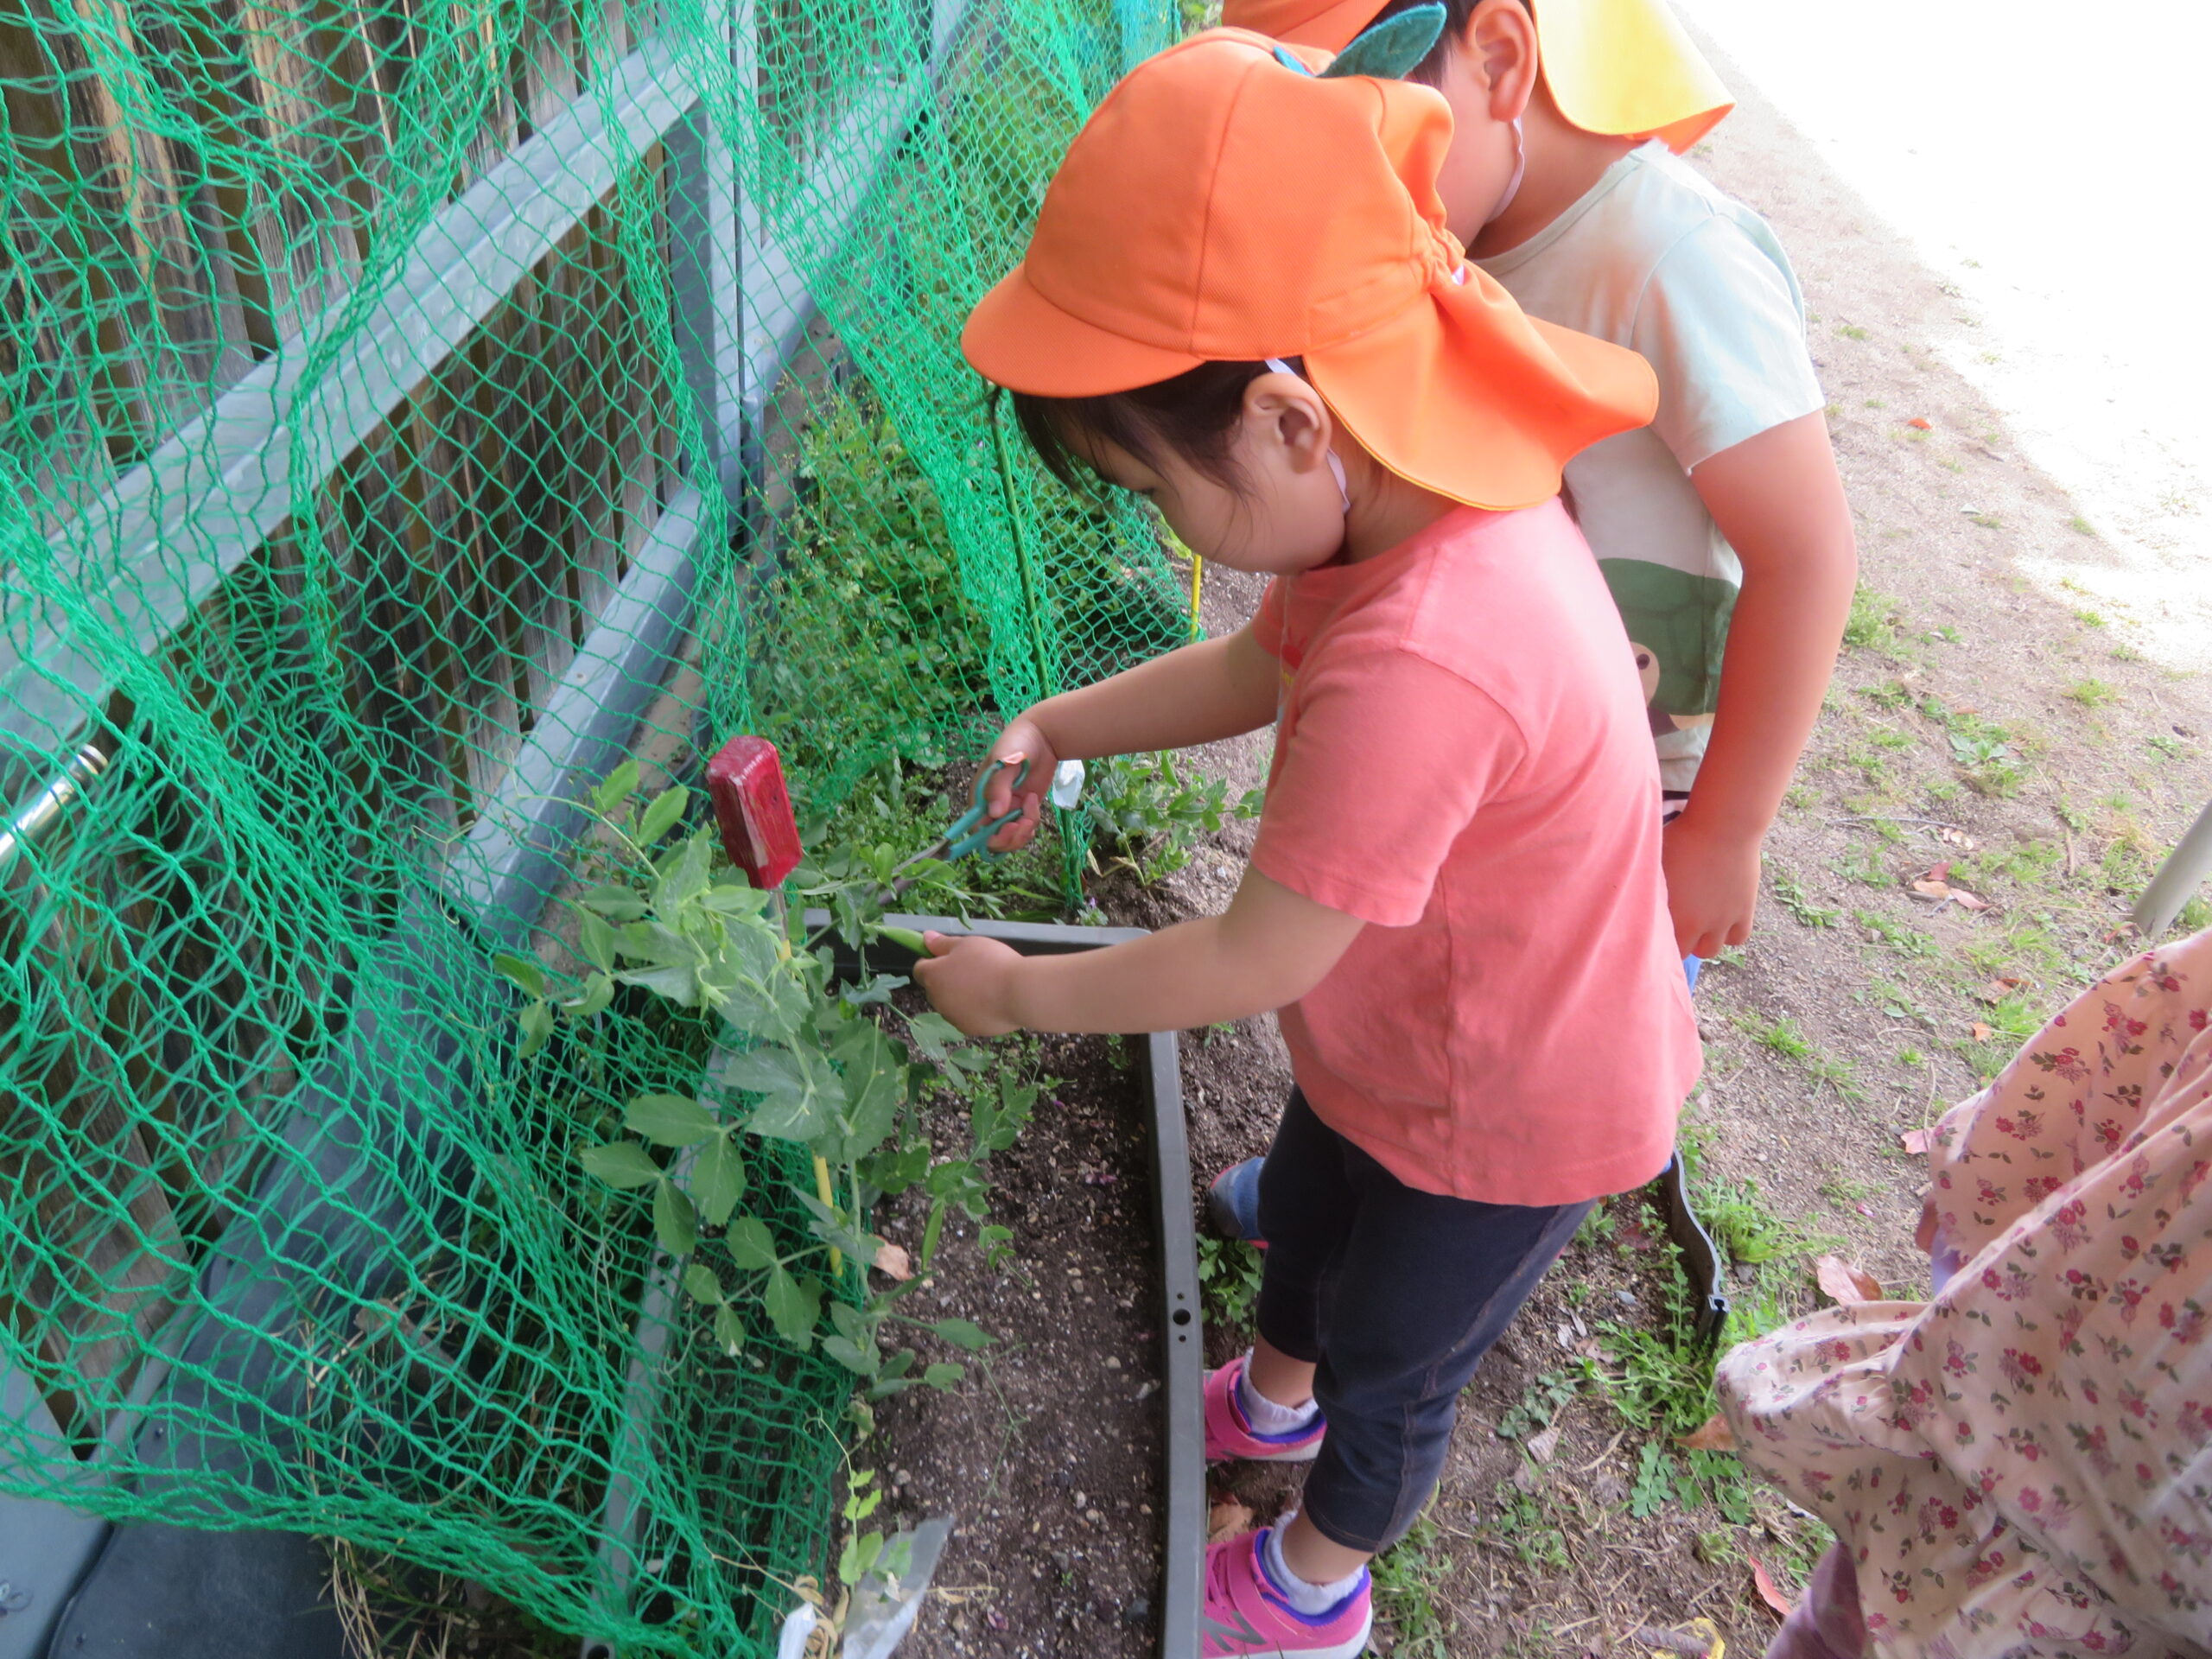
1394, 1295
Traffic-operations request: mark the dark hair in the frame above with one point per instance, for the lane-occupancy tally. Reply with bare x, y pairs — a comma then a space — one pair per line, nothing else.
1191, 414
1430, 70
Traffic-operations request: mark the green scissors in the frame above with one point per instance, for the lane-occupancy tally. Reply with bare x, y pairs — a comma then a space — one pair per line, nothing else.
971, 831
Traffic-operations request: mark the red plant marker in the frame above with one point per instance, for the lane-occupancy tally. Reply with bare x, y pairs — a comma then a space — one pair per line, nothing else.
754, 811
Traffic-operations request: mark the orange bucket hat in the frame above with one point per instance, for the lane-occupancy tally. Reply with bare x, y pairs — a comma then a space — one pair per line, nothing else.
1624, 67
1221, 206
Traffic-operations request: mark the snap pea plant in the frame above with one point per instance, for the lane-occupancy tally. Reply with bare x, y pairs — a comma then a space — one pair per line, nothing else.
797, 1058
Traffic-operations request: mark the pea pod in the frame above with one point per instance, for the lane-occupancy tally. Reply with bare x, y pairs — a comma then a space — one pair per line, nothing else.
905, 938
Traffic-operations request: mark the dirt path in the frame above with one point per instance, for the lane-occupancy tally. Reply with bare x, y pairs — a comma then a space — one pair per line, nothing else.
1976, 722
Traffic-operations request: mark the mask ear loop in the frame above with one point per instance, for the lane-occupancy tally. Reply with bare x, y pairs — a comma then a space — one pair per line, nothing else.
1335, 466
1520, 167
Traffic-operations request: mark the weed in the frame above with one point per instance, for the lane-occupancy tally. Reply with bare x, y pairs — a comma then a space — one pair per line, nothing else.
1149, 819
2091, 694
1876, 403
2125, 654
1524, 1525
1907, 941
1656, 1484
1873, 625
2088, 619
1408, 1579
1951, 466
2167, 747
1862, 865
1987, 520
1912, 1057
1794, 899
1846, 1190
1851, 331
1229, 1280
2195, 916
1741, 1223
2082, 526
1539, 1402
1779, 1036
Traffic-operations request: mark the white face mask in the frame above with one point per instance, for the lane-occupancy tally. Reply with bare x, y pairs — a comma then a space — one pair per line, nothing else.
1336, 466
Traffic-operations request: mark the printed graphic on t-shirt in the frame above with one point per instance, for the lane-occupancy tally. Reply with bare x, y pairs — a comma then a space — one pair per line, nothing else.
1677, 624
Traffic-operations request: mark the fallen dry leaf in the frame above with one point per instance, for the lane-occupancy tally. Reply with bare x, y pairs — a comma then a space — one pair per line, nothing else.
1998, 989
1227, 1519
892, 1261
1971, 900
1662, 1641
1711, 1435
1918, 425
1845, 1283
1982, 1033
1951, 836
1915, 1141
1769, 1593
1542, 1446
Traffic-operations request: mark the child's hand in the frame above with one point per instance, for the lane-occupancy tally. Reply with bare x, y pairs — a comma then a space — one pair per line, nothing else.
1021, 741
970, 981
1712, 885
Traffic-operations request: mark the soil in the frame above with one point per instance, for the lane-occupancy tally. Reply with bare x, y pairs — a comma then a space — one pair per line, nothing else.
1048, 1458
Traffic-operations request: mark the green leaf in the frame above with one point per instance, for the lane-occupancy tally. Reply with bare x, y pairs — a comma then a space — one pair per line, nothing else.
620, 1164
617, 904
851, 1322
963, 1334
793, 1307
751, 1244
763, 1071
674, 1221
595, 938
718, 1180
537, 1027
934, 1034
858, 1556
660, 817
857, 1358
729, 1330
618, 786
832, 1227
599, 991
679, 985
699, 1280
893, 1173
944, 1376
670, 1120
527, 973
686, 878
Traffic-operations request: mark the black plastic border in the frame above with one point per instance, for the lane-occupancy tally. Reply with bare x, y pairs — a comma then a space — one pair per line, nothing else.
1181, 1340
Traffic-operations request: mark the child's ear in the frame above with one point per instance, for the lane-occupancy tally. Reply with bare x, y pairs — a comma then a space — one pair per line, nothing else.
1285, 411
1500, 35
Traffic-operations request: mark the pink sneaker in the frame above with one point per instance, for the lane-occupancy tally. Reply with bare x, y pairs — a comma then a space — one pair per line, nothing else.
1230, 1432
1245, 1616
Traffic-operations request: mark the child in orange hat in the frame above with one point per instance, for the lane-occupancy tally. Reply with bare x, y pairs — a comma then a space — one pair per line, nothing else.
1454, 898
1722, 527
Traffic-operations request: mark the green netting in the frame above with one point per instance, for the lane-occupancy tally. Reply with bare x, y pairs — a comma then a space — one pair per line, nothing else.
398, 430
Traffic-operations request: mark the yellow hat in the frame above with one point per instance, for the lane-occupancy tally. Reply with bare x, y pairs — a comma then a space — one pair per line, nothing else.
1626, 67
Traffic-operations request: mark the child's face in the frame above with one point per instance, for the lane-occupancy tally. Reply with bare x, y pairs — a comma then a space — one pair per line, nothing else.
1489, 73
1285, 513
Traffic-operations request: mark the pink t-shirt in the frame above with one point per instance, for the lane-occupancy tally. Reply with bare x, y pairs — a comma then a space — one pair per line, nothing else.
1462, 760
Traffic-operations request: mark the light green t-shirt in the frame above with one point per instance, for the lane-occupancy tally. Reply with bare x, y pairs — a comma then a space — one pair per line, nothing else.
1654, 258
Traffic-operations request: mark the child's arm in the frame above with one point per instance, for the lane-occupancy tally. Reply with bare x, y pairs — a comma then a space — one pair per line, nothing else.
1779, 500
1268, 949
1216, 688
